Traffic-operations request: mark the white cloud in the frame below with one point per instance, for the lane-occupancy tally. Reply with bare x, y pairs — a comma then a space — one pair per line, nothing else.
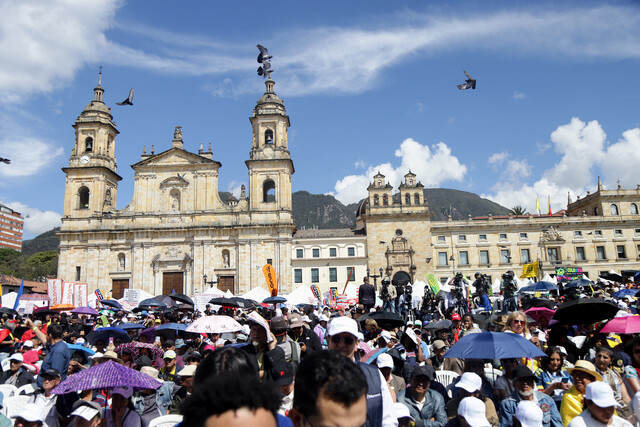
497, 159
621, 160
28, 155
36, 221
359, 164
519, 95
235, 188
433, 165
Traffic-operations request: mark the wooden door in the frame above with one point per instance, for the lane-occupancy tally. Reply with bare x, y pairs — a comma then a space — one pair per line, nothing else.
226, 283
118, 286
172, 282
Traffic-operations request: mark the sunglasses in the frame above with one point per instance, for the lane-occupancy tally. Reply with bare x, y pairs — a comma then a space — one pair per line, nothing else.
348, 340
519, 322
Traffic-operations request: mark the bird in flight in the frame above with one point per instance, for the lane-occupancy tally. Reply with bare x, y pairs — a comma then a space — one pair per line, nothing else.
470, 83
128, 101
265, 69
3, 160
264, 54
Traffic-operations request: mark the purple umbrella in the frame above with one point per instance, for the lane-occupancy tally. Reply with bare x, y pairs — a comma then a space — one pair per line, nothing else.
85, 310
106, 375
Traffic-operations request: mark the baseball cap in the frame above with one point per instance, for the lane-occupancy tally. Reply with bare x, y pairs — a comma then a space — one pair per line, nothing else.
169, 354
473, 410
384, 361
29, 343
86, 410
188, 371
386, 335
124, 391
50, 373
456, 316
30, 412
522, 372
180, 343
418, 323
470, 382
438, 344
17, 357
601, 394
425, 370
400, 411
282, 373
323, 318
529, 414
343, 324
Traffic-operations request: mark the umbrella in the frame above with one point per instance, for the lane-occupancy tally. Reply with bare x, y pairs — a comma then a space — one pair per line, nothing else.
623, 325
167, 300
182, 298
77, 347
536, 313
225, 302
372, 355
111, 303
85, 310
383, 318
214, 325
613, 277
103, 334
438, 324
44, 311
151, 303
585, 310
62, 307
127, 326
625, 293
274, 300
244, 302
170, 330
493, 345
579, 283
106, 375
135, 347
539, 287
7, 310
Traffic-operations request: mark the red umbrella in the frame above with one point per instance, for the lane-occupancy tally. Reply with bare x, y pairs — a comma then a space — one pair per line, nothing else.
536, 313
623, 325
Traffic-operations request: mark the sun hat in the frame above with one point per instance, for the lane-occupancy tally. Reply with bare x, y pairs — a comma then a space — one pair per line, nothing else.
473, 410
438, 344
529, 414
151, 371
341, 325
124, 391
86, 409
601, 394
470, 382
188, 371
278, 324
30, 412
295, 320
384, 361
587, 368
522, 372
386, 335
109, 355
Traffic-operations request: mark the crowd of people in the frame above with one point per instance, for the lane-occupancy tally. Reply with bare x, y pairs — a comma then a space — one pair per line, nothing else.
325, 366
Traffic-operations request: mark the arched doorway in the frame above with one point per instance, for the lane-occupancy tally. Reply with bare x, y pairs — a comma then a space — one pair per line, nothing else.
401, 278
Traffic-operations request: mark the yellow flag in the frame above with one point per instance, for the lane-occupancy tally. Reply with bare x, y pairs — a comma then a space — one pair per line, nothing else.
538, 205
530, 270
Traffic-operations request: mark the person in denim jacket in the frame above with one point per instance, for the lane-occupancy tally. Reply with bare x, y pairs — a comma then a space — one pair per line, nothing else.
425, 406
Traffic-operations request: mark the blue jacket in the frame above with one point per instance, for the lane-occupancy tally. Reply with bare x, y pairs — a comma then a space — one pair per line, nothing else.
433, 408
550, 414
57, 358
163, 399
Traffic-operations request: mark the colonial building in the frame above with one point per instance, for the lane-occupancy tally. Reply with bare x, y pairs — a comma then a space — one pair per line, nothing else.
11, 224
176, 230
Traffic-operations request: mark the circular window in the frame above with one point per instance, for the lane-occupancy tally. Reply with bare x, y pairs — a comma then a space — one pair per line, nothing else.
398, 232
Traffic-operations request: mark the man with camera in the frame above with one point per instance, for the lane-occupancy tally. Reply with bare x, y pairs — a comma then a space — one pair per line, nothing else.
509, 289
481, 296
457, 298
388, 295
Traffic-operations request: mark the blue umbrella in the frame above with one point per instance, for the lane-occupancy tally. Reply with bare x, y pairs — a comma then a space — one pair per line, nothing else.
274, 300
127, 326
625, 293
111, 303
103, 334
579, 283
77, 347
493, 345
539, 287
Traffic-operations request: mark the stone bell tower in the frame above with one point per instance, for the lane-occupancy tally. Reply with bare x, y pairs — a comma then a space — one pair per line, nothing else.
92, 182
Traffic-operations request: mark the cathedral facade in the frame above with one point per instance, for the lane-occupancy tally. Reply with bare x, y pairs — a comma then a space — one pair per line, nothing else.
176, 234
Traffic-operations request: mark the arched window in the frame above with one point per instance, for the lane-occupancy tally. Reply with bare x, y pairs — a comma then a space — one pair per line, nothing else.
407, 199
122, 262
226, 259
596, 211
634, 209
410, 182
269, 191
174, 200
379, 183
416, 199
376, 200
88, 144
268, 136
614, 209
83, 198
385, 200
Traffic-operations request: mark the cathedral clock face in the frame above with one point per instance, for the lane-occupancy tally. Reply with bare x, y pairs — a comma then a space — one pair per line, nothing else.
84, 160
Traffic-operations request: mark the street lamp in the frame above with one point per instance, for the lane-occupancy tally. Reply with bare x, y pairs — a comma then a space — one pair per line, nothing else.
211, 282
375, 276
452, 259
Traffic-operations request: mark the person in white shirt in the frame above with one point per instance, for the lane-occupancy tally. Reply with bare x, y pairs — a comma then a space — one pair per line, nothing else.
600, 406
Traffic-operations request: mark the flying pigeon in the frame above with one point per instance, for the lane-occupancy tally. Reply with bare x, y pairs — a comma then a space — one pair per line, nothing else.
3, 160
470, 83
263, 55
128, 101
265, 69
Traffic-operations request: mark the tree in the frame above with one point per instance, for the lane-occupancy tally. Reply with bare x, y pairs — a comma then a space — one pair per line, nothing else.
41, 264
518, 210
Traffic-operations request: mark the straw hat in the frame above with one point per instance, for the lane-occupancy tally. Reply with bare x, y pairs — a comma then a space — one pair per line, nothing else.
109, 355
587, 368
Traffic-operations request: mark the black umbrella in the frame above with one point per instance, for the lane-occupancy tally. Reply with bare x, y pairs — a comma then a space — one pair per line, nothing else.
182, 298
438, 324
151, 303
44, 312
111, 303
226, 302
7, 310
167, 300
383, 318
584, 311
244, 302
613, 277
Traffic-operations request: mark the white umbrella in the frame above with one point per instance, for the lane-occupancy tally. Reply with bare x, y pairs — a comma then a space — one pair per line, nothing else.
214, 324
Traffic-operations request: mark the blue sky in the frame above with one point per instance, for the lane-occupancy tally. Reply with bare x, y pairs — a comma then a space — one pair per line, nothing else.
368, 86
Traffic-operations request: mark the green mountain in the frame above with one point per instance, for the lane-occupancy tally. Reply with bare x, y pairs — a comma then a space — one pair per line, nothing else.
324, 211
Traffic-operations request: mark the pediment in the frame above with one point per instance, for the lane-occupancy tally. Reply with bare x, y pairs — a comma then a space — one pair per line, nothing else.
174, 181
174, 157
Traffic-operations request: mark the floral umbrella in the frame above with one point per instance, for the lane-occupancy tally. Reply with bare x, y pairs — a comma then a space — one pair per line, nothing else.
214, 325
106, 375
156, 352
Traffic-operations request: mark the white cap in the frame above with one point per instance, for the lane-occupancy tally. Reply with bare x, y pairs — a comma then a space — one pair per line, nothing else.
96, 356
470, 382
124, 391
601, 394
28, 343
343, 324
529, 414
16, 356
88, 412
400, 410
306, 319
80, 341
411, 335
169, 354
323, 318
384, 361
473, 411
386, 335
361, 336
30, 412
